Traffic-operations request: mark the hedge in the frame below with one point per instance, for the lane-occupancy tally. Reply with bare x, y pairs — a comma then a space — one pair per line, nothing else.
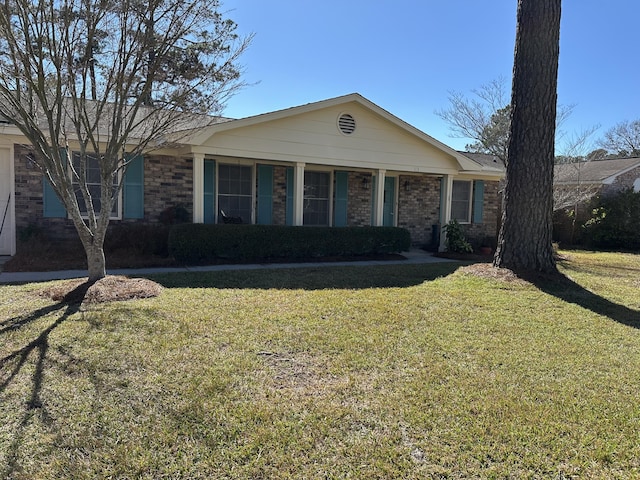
615, 222
197, 243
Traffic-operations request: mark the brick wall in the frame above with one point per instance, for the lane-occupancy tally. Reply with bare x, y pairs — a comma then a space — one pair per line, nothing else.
167, 182
359, 199
28, 199
418, 206
279, 196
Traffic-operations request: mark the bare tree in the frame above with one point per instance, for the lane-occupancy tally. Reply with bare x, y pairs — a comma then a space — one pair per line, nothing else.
569, 187
524, 242
92, 84
623, 140
484, 117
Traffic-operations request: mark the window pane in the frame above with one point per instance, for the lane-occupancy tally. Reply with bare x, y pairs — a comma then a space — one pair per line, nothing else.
235, 190
460, 201
316, 198
93, 180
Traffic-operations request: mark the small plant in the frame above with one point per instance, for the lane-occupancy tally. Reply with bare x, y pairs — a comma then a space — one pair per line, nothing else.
456, 241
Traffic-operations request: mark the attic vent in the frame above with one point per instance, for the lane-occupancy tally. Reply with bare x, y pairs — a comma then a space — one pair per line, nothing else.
347, 124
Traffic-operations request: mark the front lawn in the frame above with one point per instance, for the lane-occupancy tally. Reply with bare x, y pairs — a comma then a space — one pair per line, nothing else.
396, 371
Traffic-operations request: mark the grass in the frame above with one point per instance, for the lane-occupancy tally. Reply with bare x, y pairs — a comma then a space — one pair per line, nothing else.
338, 372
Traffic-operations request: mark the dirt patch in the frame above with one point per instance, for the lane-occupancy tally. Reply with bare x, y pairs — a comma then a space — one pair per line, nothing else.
299, 372
108, 289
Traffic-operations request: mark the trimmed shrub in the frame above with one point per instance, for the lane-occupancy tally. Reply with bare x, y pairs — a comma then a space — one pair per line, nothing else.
615, 223
194, 243
140, 238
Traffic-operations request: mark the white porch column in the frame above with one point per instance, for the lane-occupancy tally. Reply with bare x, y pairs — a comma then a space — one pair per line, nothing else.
378, 201
445, 208
298, 193
198, 188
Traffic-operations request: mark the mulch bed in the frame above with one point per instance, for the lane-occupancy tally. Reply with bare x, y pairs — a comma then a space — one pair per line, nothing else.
108, 289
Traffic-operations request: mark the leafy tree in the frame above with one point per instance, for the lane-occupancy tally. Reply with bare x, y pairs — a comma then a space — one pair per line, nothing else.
614, 221
524, 242
622, 140
110, 79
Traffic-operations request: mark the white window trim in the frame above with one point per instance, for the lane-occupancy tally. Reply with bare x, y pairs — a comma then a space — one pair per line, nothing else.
470, 206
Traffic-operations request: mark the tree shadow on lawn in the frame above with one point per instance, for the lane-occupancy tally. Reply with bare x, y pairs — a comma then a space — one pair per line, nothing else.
313, 278
12, 364
562, 287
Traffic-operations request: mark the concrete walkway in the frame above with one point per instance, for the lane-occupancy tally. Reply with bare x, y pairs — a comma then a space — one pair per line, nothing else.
414, 256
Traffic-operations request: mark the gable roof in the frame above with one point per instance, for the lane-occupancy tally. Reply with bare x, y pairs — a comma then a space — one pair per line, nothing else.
466, 163
596, 171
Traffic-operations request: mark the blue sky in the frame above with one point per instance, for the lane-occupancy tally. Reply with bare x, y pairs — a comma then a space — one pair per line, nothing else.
406, 55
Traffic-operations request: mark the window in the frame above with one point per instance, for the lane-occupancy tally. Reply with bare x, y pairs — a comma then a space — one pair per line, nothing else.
92, 177
461, 201
316, 198
235, 192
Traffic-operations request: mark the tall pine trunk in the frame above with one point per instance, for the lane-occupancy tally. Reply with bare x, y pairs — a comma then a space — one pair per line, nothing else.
525, 240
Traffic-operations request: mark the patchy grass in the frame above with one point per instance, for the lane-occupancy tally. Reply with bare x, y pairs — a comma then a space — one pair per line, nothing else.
396, 371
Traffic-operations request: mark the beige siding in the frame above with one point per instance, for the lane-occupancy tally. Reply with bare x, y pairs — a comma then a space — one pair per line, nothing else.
314, 138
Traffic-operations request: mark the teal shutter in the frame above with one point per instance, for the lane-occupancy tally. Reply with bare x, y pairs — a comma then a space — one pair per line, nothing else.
265, 195
133, 189
478, 201
340, 207
52, 206
209, 191
289, 207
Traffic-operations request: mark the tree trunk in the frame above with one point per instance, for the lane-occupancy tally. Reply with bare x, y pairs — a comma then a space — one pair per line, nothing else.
95, 261
524, 243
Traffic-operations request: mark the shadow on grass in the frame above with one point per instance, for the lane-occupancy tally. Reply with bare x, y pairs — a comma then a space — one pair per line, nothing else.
13, 363
313, 278
564, 288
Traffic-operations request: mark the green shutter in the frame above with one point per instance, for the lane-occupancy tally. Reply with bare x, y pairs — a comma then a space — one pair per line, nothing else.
289, 207
52, 206
209, 191
265, 195
478, 201
342, 192
133, 189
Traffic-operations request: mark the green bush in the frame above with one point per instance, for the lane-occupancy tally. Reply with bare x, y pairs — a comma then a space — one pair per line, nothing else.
456, 241
195, 243
615, 222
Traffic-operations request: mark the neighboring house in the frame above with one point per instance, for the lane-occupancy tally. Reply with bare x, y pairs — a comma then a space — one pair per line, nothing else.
606, 176
338, 162
575, 186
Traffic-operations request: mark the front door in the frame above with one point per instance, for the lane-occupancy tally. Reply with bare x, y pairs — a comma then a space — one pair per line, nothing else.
6, 210
389, 206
